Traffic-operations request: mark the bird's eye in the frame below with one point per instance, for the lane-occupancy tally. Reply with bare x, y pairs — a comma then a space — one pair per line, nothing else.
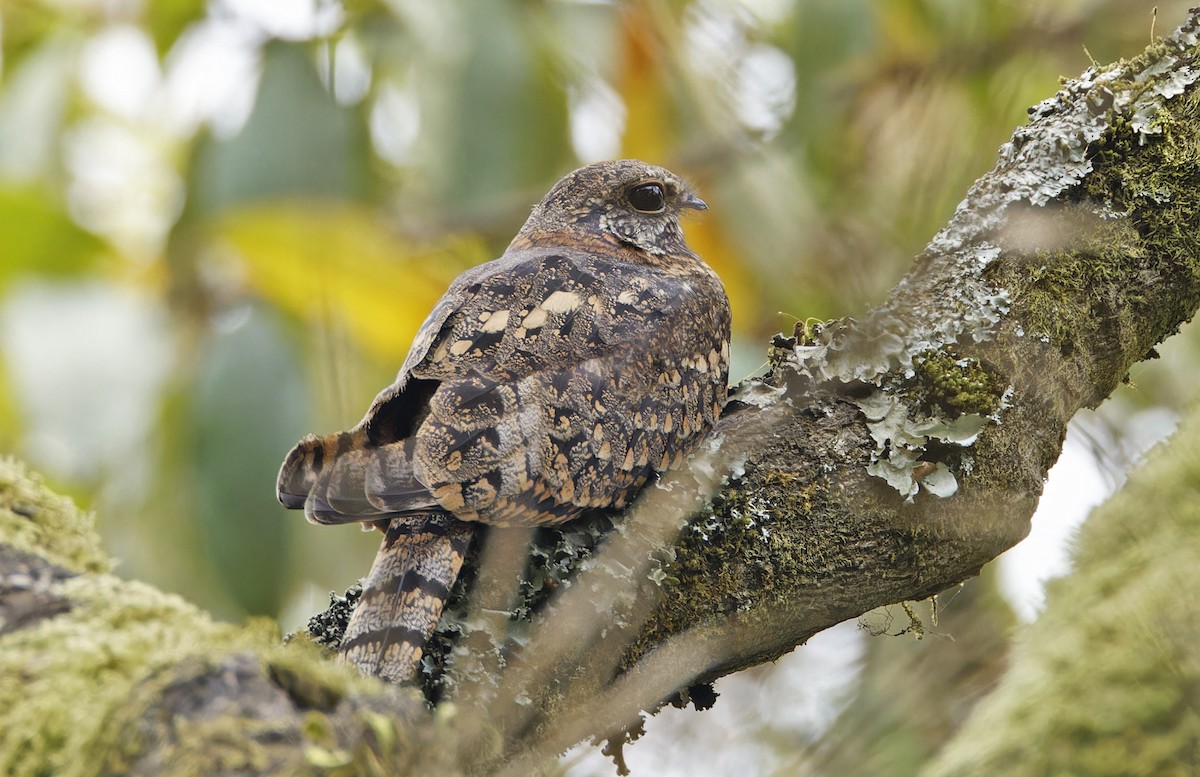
647, 197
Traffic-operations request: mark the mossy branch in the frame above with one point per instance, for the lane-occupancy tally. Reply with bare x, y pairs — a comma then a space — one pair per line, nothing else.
890, 458
104, 676
882, 460
910, 448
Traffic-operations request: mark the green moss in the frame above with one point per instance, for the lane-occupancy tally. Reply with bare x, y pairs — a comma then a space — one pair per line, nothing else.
730, 555
1154, 167
78, 683
1141, 221
957, 385
1057, 291
1152, 177
1106, 680
1055, 294
36, 520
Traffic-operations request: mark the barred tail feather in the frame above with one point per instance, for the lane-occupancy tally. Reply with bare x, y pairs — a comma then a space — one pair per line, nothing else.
339, 493
339, 479
305, 463
404, 595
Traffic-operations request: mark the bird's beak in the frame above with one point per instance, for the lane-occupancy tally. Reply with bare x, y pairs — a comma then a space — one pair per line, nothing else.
693, 202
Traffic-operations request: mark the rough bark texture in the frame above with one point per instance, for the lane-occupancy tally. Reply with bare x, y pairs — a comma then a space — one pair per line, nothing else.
882, 460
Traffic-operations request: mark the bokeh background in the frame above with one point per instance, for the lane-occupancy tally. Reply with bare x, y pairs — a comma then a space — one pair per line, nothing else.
221, 223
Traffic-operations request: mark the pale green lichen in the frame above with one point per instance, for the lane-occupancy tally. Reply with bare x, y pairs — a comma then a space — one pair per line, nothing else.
76, 668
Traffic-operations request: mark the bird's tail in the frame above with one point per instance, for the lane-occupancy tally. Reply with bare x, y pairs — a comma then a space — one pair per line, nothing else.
404, 595
307, 460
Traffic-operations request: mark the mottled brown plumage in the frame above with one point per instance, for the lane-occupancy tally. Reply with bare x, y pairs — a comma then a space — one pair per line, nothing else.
556, 379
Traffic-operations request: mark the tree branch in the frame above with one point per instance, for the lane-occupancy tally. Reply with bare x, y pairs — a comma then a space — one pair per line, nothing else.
889, 459
882, 460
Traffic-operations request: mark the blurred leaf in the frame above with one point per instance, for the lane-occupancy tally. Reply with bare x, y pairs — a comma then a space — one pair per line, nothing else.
298, 142
708, 239
10, 418
826, 40
37, 236
340, 265
249, 395
649, 127
166, 19
33, 103
650, 135
510, 130
26, 25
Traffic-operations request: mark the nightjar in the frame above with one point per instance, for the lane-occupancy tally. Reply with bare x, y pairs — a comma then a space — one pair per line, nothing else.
557, 379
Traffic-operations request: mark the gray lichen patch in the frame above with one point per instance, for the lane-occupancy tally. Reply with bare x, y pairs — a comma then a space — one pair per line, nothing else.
902, 441
1118, 281
913, 397
1053, 153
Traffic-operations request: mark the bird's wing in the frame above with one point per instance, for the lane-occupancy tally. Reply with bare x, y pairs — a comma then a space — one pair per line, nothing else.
536, 309
559, 375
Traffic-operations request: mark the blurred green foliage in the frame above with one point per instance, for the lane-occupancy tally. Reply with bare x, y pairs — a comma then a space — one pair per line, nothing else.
297, 143
45, 241
294, 188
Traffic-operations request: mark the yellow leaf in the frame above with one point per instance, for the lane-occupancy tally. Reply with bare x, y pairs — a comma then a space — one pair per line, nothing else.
705, 236
649, 128
341, 265
326, 758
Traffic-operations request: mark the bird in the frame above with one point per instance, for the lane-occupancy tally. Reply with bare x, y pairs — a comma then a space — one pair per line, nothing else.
553, 381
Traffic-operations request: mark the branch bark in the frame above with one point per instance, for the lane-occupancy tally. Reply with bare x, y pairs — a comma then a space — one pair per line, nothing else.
881, 460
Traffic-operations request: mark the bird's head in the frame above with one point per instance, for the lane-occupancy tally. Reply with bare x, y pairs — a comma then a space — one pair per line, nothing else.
626, 201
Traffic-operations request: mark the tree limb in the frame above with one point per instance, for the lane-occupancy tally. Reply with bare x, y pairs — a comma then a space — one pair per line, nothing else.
1063, 266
